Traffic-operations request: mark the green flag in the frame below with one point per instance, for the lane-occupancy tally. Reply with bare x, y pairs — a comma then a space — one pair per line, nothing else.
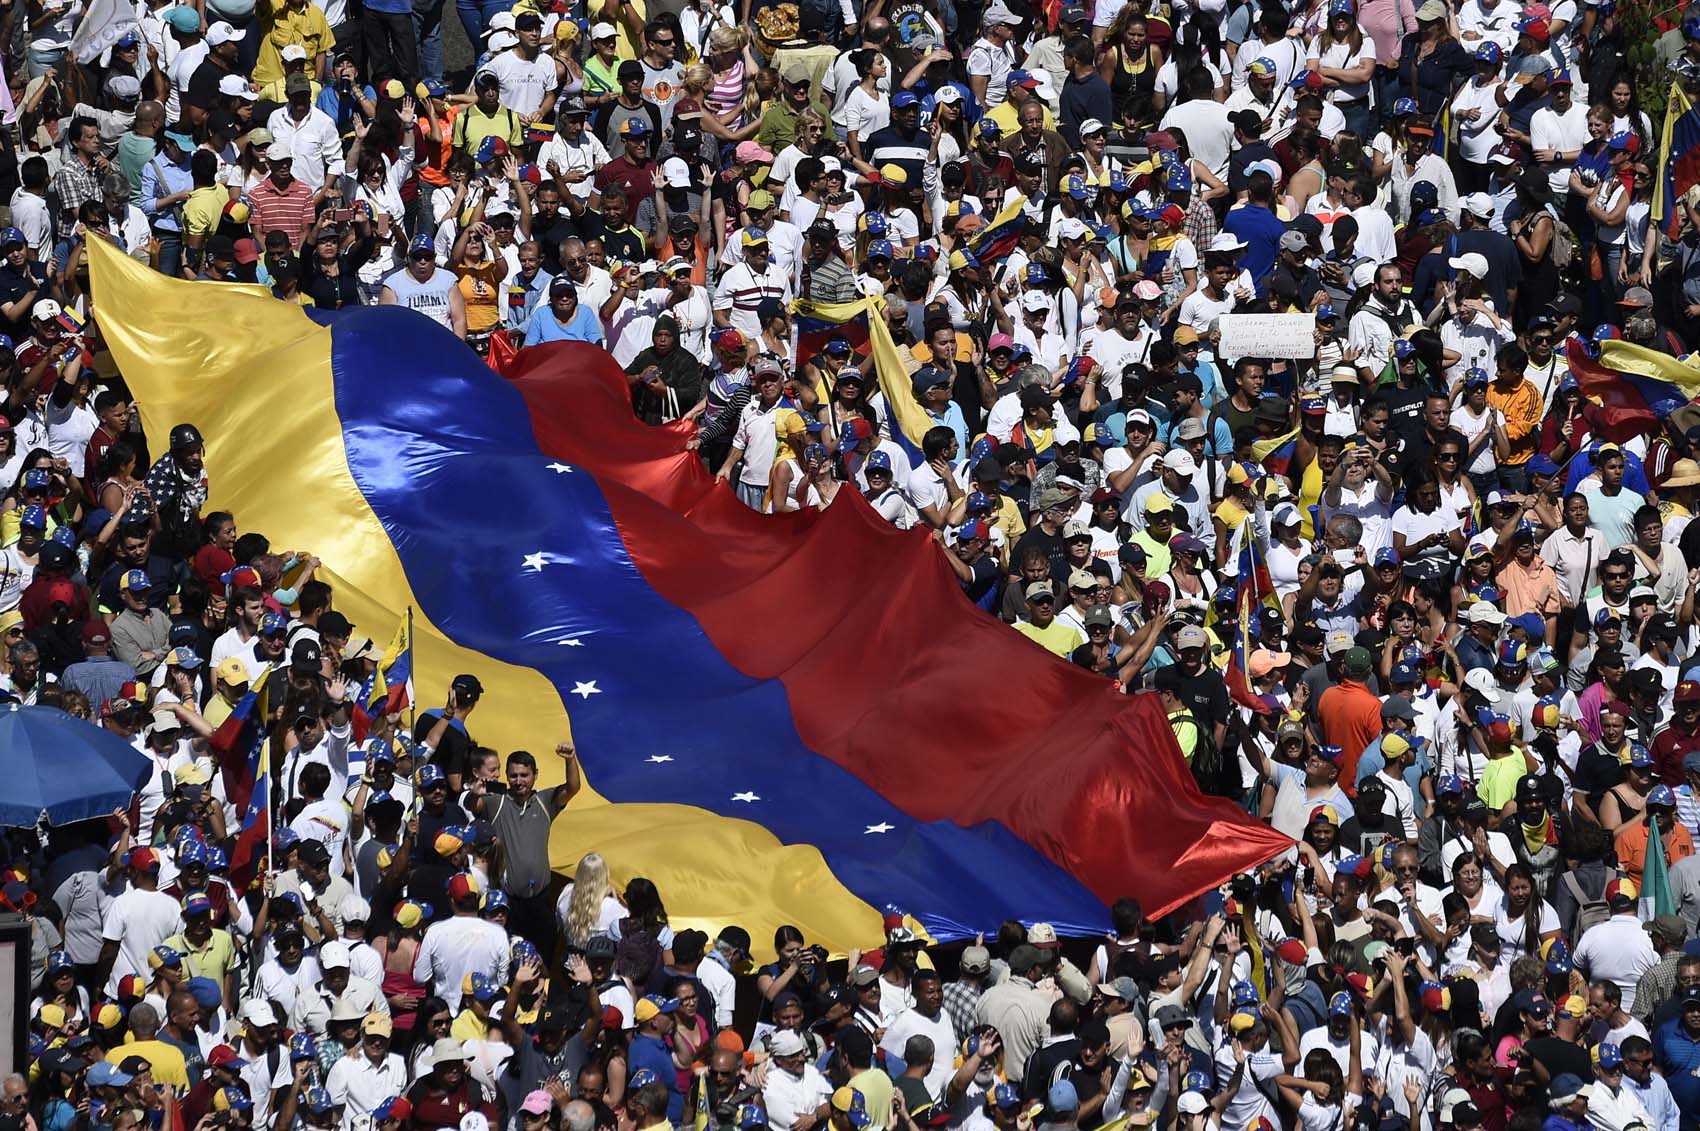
1656, 898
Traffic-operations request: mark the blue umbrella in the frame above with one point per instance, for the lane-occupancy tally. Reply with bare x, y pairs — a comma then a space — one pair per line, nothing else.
67, 768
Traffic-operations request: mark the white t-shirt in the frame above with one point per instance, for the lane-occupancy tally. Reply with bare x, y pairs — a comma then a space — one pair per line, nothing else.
1511, 931
1208, 131
865, 114
1550, 130
1341, 56
986, 58
1477, 138
1198, 309
525, 82
138, 921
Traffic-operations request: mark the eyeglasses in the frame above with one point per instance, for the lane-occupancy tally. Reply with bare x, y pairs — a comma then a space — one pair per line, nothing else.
1615, 576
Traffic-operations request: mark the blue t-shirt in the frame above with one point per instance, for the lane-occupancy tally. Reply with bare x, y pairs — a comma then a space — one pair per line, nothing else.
543, 326
1261, 230
648, 1052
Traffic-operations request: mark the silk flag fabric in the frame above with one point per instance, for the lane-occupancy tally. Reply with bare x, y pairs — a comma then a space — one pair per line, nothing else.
863, 324
791, 719
1631, 387
1679, 160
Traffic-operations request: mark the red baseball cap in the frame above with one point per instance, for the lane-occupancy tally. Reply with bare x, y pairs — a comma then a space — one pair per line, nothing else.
95, 632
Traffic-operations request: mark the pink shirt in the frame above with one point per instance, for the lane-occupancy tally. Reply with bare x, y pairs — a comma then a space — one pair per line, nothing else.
1386, 22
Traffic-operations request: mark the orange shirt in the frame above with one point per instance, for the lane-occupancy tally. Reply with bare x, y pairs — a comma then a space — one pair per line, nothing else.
1522, 410
1533, 589
435, 158
1632, 848
1350, 716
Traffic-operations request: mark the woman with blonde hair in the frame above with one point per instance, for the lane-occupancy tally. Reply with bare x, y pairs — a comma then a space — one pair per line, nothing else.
719, 124
588, 905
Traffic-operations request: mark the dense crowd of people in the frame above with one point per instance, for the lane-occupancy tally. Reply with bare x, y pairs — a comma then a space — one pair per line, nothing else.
1414, 599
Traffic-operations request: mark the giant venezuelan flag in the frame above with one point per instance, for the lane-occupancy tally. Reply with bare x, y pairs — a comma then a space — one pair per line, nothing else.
789, 719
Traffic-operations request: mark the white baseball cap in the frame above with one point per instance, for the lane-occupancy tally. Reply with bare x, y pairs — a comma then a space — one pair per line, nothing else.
292, 53
1478, 204
602, 31
44, 309
222, 32
1471, 262
235, 86
1180, 461
676, 173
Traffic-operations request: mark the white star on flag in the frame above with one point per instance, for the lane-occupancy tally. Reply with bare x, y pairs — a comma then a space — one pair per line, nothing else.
586, 690
561, 468
882, 827
534, 562
658, 759
571, 642
745, 796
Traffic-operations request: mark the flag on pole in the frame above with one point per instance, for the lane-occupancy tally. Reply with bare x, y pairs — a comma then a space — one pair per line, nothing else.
233, 745
1679, 160
1656, 895
392, 684
251, 841
1253, 587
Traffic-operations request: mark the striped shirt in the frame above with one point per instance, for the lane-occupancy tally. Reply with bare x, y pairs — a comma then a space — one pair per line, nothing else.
741, 292
288, 210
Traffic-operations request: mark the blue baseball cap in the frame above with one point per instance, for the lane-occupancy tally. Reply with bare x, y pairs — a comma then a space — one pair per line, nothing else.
436, 88
484, 987
1489, 53
318, 1101
1639, 757
1542, 464
837, 346
878, 249
1403, 106
1610, 1056
1075, 186
273, 622
1063, 1097
1004, 1096
303, 1047
903, 99
1180, 180
1405, 673
750, 1117
429, 774
878, 461
1017, 77
979, 503
1326, 313
1244, 993
1340, 1005
12, 237
37, 479
105, 1075
1475, 377
495, 900
1662, 796
1450, 783
874, 223
33, 518
422, 242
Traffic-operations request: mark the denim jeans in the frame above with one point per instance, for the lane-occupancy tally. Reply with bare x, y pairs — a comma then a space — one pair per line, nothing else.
475, 16
428, 33
170, 251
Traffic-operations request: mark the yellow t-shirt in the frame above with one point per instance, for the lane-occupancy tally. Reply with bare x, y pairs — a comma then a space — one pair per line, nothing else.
203, 209
1057, 638
480, 286
629, 48
167, 1061
1005, 117
282, 26
469, 1027
211, 961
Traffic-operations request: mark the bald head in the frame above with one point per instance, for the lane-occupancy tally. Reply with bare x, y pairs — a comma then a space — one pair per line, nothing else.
876, 30
725, 1060
578, 1116
150, 116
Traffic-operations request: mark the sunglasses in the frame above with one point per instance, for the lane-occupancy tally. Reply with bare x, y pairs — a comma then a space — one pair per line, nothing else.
1615, 576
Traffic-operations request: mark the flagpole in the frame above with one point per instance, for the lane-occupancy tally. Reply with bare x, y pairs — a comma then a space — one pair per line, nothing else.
412, 707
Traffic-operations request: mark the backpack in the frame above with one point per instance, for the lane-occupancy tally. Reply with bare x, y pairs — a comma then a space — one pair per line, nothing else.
1563, 242
638, 954
1588, 911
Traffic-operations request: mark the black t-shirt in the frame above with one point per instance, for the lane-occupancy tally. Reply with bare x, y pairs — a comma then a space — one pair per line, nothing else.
549, 237
202, 92
453, 750
624, 244
1051, 544
14, 285
1206, 696
1404, 407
